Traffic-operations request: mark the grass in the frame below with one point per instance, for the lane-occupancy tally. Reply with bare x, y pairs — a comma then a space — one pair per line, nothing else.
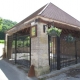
2, 41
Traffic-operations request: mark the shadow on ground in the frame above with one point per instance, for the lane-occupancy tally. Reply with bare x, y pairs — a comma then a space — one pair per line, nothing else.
10, 72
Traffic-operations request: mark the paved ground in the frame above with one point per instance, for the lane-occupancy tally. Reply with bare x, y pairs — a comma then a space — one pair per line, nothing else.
69, 75
11, 72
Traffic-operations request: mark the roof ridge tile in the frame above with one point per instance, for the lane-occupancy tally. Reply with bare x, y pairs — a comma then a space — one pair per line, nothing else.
43, 9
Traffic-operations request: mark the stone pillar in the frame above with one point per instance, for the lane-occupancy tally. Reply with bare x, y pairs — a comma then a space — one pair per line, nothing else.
39, 51
6, 43
8, 46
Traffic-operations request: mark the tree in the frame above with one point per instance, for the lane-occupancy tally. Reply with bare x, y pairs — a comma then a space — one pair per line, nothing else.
5, 24
1, 24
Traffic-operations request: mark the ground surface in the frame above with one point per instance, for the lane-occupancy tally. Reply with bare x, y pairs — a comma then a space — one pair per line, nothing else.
10, 71
73, 74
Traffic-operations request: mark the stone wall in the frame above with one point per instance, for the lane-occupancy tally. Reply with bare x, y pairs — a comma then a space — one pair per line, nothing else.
22, 50
39, 51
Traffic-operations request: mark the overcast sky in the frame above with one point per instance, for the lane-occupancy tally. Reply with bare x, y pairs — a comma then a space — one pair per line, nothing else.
17, 10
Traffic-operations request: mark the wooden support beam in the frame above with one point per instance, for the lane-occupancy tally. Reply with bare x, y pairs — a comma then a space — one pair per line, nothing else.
58, 53
15, 47
75, 53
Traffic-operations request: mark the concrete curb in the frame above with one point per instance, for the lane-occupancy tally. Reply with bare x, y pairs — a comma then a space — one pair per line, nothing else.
57, 72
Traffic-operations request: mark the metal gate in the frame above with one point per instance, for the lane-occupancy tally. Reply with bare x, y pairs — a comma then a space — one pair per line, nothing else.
22, 50
52, 53
63, 53
67, 53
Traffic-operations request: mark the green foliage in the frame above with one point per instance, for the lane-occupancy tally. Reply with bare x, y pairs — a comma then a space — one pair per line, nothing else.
54, 31
1, 41
4, 26
1, 24
23, 41
7, 24
0, 21
0, 27
2, 35
13, 44
69, 38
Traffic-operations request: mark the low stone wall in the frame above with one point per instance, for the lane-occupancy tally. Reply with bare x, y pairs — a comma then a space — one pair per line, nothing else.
22, 50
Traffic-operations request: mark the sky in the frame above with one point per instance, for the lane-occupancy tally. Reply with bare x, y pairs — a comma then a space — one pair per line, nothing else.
17, 10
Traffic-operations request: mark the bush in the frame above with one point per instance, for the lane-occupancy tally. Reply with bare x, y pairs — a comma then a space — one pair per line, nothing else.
1, 41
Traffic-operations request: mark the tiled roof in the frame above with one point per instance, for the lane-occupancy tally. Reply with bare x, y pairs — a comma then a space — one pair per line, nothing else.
55, 13
31, 16
52, 12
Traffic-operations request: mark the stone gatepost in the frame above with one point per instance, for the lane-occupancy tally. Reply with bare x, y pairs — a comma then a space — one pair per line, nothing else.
6, 39
39, 51
8, 46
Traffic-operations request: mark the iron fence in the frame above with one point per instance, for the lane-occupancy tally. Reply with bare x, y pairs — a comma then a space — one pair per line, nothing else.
52, 53
69, 53
21, 50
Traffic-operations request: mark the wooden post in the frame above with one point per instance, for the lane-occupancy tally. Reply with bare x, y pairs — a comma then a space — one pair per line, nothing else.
15, 47
49, 48
58, 53
75, 52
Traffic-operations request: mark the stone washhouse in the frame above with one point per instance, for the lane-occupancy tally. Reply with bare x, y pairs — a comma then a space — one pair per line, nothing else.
27, 43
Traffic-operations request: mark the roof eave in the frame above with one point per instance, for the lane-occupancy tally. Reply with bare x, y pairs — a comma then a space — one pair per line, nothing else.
22, 26
60, 22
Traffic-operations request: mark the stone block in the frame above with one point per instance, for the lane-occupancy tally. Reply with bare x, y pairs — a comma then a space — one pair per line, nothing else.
42, 70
